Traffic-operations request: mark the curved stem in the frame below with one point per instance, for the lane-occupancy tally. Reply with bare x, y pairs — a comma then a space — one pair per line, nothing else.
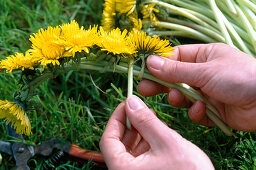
250, 15
220, 22
248, 27
190, 31
170, 33
188, 4
38, 80
213, 34
192, 15
235, 35
249, 4
186, 90
230, 5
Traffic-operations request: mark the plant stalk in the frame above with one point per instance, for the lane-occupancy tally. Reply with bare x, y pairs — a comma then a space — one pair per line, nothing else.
129, 88
220, 22
187, 30
186, 90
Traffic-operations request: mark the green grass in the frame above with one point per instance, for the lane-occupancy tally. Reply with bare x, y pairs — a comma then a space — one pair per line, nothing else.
76, 105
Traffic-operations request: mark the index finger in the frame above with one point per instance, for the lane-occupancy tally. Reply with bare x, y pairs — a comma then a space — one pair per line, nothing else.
195, 53
110, 144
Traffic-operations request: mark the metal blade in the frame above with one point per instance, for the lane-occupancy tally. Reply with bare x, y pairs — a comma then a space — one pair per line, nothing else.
5, 147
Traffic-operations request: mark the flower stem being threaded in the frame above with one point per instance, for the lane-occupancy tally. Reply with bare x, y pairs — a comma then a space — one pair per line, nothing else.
129, 88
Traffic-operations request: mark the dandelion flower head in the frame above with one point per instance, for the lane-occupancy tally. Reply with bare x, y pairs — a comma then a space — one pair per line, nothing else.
108, 15
125, 6
149, 45
148, 12
76, 39
13, 113
116, 42
18, 62
45, 48
137, 23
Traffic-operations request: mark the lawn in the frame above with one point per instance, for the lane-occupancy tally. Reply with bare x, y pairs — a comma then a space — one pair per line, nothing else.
76, 105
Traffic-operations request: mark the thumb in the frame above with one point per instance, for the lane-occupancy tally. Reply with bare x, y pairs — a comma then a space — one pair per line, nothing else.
176, 71
145, 121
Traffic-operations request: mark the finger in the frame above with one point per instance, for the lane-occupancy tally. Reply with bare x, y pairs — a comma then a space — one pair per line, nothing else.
187, 65
197, 114
130, 139
196, 53
149, 88
141, 148
177, 99
110, 143
146, 123
178, 72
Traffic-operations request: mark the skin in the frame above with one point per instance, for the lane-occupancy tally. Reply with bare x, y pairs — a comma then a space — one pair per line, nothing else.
149, 145
224, 75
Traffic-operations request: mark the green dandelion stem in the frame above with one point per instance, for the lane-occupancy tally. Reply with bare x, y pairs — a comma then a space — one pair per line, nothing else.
249, 4
192, 15
213, 34
231, 7
231, 17
130, 88
219, 19
189, 92
247, 26
188, 4
130, 78
170, 33
35, 83
250, 15
207, 22
240, 42
38, 80
193, 33
143, 65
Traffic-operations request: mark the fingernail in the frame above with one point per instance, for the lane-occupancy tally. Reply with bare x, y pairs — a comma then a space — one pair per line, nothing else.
155, 62
135, 103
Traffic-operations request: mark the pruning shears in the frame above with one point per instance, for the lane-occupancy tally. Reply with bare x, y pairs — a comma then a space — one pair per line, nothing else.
23, 152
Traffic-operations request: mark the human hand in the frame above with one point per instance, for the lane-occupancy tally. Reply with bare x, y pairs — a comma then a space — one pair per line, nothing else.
149, 145
224, 75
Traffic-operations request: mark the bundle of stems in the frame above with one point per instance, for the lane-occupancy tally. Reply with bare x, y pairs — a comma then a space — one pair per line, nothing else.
135, 71
229, 21
124, 67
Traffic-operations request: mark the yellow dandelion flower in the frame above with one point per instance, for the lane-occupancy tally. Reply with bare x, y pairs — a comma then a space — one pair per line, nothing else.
125, 6
45, 48
148, 12
149, 45
137, 23
18, 62
108, 15
115, 42
12, 112
76, 39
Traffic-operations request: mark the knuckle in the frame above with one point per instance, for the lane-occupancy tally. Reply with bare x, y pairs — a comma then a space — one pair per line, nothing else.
145, 117
170, 68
